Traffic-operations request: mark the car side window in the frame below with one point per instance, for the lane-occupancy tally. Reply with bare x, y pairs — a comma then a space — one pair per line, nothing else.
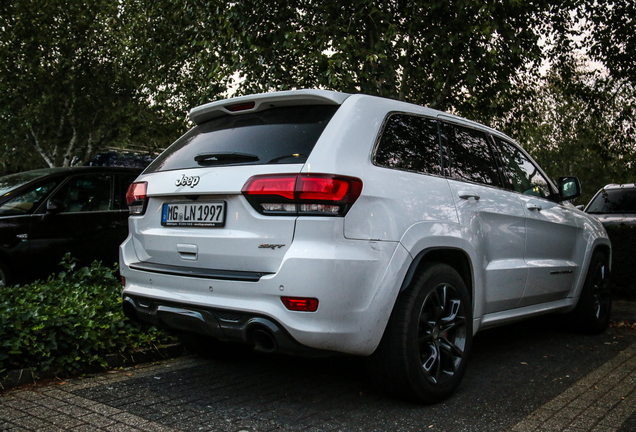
523, 175
409, 143
467, 155
86, 193
28, 201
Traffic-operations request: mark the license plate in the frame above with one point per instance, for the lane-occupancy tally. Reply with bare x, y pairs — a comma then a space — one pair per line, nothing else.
210, 214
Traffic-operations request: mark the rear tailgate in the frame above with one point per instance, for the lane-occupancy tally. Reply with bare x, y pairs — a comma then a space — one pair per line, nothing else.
244, 241
202, 175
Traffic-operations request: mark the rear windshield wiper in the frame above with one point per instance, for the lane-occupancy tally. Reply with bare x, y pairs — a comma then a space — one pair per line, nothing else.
211, 159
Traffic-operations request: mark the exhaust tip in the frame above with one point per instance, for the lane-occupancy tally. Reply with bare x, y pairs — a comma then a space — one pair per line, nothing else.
263, 340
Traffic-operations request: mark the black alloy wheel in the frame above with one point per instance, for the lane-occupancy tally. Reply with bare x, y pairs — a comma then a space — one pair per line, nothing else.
424, 350
442, 333
592, 312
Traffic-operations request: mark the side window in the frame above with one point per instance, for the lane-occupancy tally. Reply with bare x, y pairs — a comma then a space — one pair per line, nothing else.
28, 201
523, 175
409, 143
468, 155
86, 193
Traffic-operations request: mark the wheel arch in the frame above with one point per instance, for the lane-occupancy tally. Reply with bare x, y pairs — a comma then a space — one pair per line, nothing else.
454, 257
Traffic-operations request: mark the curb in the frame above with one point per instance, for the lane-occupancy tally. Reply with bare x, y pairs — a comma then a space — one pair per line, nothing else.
17, 377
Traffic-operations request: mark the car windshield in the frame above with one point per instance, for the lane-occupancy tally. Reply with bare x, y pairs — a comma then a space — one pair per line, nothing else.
275, 136
614, 201
14, 181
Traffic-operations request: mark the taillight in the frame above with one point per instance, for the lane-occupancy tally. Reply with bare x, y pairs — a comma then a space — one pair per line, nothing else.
302, 194
300, 304
136, 198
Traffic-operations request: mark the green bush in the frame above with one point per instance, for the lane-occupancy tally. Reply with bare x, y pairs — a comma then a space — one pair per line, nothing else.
623, 239
68, 323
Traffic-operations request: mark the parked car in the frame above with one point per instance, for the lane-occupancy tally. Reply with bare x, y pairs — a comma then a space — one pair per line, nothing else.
317, 221
46, 213
615, 204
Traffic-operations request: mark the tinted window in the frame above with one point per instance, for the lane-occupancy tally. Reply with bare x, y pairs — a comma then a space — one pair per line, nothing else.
86, 194
522, 174
468, 155
410, 143
614, 201
14, 181
275, 136
28, 201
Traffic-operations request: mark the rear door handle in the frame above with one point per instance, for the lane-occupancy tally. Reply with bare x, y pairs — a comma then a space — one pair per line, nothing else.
532, 206
468, 195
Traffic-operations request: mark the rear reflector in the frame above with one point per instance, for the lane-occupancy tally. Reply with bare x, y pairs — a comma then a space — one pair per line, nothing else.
300, 304
136, 198
302, 194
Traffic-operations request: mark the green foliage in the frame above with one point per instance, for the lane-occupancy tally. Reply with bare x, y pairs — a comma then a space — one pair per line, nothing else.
623, 239
68, 322
579, 122
452, 55
77, 76
612, 39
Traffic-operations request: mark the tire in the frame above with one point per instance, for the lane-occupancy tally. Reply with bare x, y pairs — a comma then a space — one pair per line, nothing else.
593, 311
424, 350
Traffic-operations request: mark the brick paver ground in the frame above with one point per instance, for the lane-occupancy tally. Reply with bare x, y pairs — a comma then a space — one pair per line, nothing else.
528, 377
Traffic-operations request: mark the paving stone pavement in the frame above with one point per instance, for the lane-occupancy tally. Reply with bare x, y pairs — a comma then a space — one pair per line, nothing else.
192, 394
603, 401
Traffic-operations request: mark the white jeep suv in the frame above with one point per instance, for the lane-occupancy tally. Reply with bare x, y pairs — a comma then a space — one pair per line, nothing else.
316, 221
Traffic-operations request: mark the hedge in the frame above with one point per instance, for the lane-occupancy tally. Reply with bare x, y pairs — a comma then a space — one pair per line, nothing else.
68, 323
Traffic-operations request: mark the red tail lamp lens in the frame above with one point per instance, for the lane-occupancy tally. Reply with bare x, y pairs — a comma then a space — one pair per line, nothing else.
300, 304
302, 194
136, 197
271, 185
314, 188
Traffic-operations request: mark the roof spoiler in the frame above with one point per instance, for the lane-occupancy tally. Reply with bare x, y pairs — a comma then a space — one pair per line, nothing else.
263, 101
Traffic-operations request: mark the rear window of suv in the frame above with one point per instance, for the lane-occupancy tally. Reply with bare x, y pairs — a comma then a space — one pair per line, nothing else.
275, 136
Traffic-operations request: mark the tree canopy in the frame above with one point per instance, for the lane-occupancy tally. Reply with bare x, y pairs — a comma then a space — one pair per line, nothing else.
578, 122
450, 55
77, 76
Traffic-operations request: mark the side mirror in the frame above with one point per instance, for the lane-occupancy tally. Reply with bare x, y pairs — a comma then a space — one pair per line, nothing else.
569, 188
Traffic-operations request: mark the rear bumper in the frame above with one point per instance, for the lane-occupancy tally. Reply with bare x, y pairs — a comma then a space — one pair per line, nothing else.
264, 333
356, 283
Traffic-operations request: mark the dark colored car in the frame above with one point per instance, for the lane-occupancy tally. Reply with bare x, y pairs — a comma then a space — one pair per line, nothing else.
46, 213
615, 204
